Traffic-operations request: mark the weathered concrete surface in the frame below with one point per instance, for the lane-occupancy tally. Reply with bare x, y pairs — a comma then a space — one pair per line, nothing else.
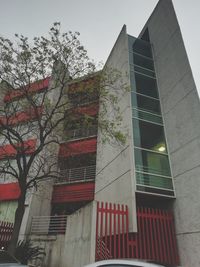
52, 246
74, 249
115, 180
181, 112
79, 244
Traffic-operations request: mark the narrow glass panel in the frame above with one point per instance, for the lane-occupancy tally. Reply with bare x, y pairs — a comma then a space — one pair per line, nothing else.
145, 103
144, 71
143, 62
143, 115
142, 47
149, 135
146, 85
153, 180
152, 162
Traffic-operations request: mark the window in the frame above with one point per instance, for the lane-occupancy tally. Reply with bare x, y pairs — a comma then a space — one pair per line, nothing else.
143, 62
151, 162
142, 47
145, 103
149, 135
145, 85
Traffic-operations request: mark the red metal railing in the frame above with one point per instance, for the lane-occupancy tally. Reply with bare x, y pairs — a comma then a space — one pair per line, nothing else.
155, 239
6, 229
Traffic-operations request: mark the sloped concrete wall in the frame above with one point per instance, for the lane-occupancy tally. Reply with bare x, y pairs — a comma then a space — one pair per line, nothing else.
115, 180
181, 112
74, 249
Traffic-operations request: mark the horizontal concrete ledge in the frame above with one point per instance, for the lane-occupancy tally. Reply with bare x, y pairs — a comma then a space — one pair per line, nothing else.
44, 237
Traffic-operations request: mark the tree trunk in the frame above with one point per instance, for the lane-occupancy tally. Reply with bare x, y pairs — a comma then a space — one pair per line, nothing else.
17, 224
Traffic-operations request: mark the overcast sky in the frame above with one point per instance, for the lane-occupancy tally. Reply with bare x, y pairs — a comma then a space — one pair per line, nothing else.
99, 22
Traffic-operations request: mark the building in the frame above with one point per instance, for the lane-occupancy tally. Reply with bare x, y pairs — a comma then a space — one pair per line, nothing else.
139, 200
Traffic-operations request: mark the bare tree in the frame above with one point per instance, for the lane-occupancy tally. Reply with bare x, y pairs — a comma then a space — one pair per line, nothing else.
35, 79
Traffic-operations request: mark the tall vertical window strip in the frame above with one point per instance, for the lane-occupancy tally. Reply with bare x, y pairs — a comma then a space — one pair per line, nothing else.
153, 174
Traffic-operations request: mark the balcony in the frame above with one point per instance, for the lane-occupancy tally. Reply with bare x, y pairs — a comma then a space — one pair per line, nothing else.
82, 174
81, 133
48, 225
78, 147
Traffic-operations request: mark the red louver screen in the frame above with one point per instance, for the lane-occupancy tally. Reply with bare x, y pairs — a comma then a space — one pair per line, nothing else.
22, 116
9, 150
34, 87
9, 191
90, 110
73, 193
78, 147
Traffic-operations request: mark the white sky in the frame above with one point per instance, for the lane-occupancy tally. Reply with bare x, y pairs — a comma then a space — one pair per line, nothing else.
98, 21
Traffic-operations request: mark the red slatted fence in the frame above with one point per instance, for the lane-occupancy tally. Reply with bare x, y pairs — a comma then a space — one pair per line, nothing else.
6, 229
155, 239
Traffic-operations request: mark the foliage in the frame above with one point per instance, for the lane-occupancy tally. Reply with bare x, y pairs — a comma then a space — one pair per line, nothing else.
62, 61
26, 252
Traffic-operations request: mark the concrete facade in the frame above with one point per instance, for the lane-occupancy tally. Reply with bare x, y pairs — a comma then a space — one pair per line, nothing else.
115, 180
115, 169
181, 112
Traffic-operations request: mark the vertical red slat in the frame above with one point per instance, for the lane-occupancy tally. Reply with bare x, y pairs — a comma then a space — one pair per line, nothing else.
106, 225
163, 236
110, 228
123, 241
159, 235
97, 230
114, 228
168, 255
143, 217
137, 246
101, 231
118, 229
151, 235
155, 236
127, 231
140, 234
148, 234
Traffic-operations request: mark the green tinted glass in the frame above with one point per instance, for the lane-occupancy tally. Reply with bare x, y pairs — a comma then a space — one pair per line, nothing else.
152, 162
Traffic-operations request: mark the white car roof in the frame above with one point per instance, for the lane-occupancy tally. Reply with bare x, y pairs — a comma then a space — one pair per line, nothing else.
128, 262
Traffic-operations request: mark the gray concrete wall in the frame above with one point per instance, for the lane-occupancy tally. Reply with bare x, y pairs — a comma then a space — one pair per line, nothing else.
53, 248
38, 203
114, 174
79, 244
181, 112
74, 249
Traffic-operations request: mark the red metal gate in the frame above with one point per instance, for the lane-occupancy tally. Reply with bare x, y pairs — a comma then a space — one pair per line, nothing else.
155, 239
111, 231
